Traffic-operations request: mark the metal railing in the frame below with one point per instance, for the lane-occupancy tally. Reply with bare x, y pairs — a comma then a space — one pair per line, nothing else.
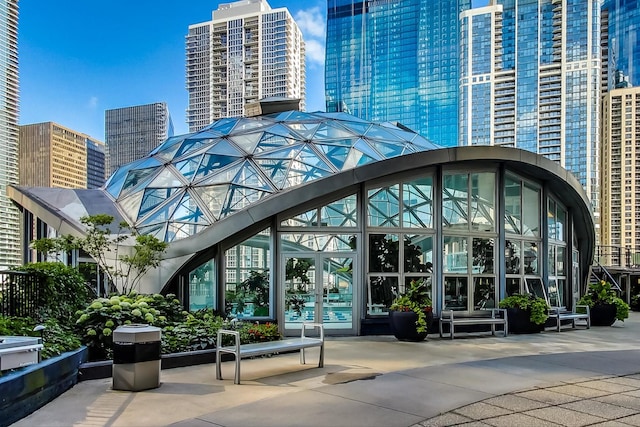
20, 294
617, 256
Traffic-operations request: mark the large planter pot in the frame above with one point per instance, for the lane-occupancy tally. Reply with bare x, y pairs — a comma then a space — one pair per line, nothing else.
603, 314
519, 323
403, 325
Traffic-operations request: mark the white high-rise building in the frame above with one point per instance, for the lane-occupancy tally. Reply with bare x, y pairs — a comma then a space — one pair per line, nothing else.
246, 53
10, 244
530, 78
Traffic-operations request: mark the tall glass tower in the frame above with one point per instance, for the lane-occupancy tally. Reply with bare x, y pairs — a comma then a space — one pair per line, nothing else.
621, 36
396, 60
10, 245
535, 84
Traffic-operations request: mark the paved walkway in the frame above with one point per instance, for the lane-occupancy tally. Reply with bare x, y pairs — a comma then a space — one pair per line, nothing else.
573, 378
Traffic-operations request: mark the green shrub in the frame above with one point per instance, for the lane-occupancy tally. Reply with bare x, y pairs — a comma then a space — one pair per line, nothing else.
539, 310
63, 291
57, 338
602, 293
96, 323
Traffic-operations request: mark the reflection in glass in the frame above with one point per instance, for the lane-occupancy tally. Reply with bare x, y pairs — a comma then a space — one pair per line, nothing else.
318, 242
381, 291
484, 293
338, 292
455, 254
531, 258
455, 193
482, 212
418, 253
512, 257
555, 296
455, 293
341, 213
512, 205
417, 203
551, 219
530, 211
482, 255
513, 286
551, 260
560, 261
383, 253
202, 287
247, 284
383, 207
300, 295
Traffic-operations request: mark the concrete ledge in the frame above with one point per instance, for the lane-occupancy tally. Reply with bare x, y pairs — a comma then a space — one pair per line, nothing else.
25, 390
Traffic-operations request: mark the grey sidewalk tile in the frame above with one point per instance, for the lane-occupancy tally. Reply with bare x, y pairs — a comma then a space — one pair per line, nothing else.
448, 419
546, 396
481, 410
474, 424
578, 391
606, 385
625, 400
599, 409
629, 381
611, 424
634, 393
515, 403
564, 417
520, 420
633, 420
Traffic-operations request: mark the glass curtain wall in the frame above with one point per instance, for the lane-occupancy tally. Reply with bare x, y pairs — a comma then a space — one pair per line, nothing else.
469, 237
400, 239
558, 288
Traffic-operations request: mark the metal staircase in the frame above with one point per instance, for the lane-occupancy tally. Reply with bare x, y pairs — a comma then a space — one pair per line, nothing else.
602, 274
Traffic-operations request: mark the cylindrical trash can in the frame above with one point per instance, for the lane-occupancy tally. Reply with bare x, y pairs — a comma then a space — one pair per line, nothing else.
136, 357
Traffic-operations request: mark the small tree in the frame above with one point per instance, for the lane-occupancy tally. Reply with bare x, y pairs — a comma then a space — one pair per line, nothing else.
123, 270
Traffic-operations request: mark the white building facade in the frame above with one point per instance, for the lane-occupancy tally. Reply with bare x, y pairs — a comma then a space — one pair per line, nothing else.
247, 52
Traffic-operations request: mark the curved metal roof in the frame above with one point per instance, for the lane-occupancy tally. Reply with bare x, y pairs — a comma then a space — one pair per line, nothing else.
192, 181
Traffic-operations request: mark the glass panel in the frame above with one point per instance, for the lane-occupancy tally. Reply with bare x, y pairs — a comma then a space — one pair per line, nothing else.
341, 213
482, 255
512, 257
417, 202
381, 292
512, 206
551, 261
530, 211
535, 287
560, 261
305, 219
455, 201
483, 201
426, 280
300, 295
455, 255
551, 219
561, 224
247, 284
513, 286
555, 299
202, 287
213, 162
138, 177
383, 207
337, 282
418, 253
531, 263
484, 293
318, 242
455, 293
383, 253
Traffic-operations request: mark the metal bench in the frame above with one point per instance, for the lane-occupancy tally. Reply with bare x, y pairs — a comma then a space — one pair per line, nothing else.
493, 319
561, 313
241, 351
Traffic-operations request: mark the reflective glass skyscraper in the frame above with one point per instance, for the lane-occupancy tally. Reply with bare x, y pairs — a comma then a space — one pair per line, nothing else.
621, 36
396, 60
531, 79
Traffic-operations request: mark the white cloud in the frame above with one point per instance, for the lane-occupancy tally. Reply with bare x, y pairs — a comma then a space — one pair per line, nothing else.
93, 102
315, 52
311, 22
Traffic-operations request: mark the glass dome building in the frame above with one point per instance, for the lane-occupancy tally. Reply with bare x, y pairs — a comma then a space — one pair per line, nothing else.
297, 216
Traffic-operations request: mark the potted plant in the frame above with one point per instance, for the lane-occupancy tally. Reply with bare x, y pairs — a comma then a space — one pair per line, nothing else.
411, 313
526, 314
605, 305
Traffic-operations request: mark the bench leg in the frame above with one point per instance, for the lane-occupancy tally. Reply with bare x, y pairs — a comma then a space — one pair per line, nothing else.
559, 323
302, 359
237, 378
506, 329
451, 331
218, 367
493, 329
321, 359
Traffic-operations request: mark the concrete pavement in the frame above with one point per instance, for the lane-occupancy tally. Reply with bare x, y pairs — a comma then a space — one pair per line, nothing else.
576, 377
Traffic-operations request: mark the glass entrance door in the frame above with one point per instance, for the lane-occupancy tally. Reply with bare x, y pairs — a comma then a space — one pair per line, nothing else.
318, 288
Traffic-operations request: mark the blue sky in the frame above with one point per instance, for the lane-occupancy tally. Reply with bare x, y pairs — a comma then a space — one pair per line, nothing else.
79, 58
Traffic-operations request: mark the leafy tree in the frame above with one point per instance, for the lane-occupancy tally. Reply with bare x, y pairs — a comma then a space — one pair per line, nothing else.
124, 271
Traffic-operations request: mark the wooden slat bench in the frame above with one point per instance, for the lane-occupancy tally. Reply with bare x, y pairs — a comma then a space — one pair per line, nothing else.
454, 318
561, 313
241, 351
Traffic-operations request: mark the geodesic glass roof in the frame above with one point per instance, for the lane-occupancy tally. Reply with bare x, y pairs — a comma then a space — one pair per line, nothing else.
191, 181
